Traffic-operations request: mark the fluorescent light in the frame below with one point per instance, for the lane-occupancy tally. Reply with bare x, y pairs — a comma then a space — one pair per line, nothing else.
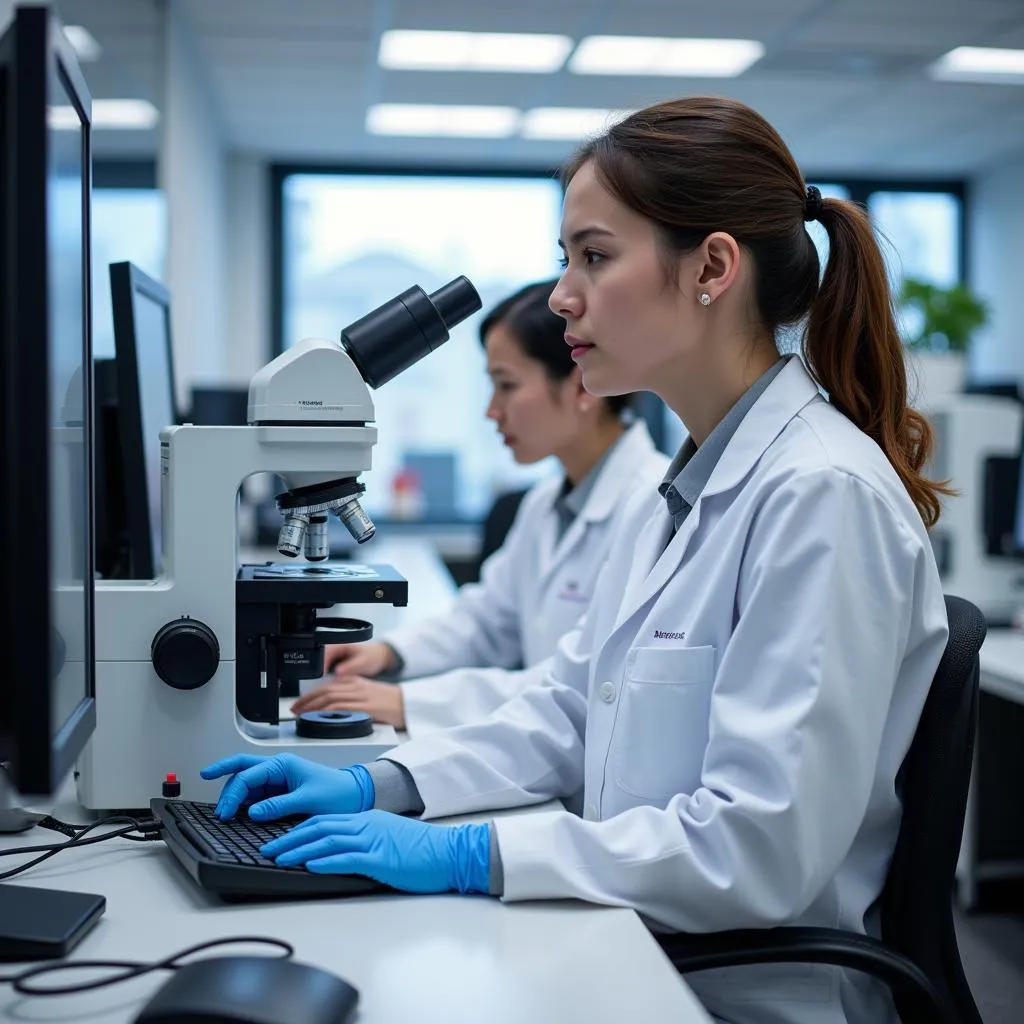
472, 51
117, 114
980, 64
82, 42
640, 55
567, 122
425, 119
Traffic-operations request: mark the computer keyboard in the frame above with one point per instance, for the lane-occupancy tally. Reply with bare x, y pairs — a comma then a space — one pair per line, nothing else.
224, 856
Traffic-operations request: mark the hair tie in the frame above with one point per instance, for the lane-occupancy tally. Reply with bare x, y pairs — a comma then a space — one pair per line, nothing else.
812, 204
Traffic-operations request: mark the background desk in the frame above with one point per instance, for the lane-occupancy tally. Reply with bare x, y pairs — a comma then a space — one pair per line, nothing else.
461, 960
993, 845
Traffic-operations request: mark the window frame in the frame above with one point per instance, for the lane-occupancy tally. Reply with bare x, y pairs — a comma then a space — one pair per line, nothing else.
861, 189
280, 172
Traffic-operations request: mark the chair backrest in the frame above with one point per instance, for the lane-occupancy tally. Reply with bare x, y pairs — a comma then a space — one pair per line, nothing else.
917, 904
499, 522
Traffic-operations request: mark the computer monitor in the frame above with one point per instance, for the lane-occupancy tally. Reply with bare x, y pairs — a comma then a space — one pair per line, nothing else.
47, 684
145, 406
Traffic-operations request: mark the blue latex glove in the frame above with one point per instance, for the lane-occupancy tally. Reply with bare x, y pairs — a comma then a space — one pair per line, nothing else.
286, 784
404, 853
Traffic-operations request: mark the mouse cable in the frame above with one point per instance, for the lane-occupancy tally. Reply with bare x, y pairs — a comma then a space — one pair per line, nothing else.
148, 829
127, 969
147, 825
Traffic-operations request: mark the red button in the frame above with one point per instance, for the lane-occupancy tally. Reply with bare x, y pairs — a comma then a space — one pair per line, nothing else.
172, 777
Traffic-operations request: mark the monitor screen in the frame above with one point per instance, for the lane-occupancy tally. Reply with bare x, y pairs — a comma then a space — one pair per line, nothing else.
68, 401
47, 706
145, 405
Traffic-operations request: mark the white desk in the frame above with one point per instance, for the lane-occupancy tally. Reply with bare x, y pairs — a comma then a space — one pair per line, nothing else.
993, 826
461, 960
1002, 664
457, 959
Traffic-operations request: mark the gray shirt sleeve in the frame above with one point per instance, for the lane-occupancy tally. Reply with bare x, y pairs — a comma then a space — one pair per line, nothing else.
395, 790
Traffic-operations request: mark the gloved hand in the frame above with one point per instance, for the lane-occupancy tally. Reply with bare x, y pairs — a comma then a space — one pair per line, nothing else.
286, 784
404, 853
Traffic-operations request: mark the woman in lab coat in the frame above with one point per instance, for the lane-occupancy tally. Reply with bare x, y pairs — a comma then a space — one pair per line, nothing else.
751, 671
537, 585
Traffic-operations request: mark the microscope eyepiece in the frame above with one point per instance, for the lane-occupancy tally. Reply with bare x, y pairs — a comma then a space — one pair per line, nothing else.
401, 332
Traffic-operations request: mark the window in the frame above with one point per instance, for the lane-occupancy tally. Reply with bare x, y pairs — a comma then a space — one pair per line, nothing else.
350, 242
923, 230
129, 222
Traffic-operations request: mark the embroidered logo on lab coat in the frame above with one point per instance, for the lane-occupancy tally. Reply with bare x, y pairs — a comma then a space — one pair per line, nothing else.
661, 634
571, 592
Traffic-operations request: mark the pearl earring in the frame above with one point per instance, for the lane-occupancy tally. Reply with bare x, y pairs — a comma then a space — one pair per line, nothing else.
705, 299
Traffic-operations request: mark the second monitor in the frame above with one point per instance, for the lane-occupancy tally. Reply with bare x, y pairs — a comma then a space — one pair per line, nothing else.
135, 401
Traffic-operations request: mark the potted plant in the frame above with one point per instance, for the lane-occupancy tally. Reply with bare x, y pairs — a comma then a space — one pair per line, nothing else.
940, 322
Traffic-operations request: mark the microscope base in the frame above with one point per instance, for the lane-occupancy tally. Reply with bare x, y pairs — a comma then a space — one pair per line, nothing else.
145, 730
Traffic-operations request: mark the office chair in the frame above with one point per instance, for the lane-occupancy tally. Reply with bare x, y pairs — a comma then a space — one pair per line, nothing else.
917, 955
498, 522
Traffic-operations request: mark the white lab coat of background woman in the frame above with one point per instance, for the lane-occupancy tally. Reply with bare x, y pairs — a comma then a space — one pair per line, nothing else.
532, 590
735, 710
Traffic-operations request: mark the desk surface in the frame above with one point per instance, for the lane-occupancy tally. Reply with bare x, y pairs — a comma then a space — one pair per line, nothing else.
462, 960
1002, 664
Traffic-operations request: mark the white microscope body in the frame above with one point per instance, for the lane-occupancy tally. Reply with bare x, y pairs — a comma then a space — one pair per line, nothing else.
168, 681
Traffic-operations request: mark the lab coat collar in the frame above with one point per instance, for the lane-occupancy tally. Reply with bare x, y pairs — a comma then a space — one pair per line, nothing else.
783, 399
653, 562
621, 464
629, 453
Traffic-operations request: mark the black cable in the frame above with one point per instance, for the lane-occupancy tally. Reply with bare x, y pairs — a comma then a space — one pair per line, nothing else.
128, 968
146, 827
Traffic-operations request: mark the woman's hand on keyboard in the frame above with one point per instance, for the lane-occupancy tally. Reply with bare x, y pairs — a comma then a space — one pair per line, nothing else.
286, 784
404, 853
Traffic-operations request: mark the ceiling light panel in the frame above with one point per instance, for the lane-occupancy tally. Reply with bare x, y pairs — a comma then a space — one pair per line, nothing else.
83, 43
567, 123
980, 64
653, 55
123, 115
447, 120
472, 51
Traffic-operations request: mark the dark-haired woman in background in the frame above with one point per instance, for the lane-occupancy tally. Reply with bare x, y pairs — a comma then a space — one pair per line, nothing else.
537, 585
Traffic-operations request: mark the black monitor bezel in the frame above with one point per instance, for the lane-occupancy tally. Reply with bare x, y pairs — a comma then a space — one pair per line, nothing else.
126, 282
34, 51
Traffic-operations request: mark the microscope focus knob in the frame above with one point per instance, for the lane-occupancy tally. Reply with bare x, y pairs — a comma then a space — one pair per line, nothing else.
185, 653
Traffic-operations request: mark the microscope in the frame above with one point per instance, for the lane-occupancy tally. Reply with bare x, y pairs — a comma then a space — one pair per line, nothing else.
188, 665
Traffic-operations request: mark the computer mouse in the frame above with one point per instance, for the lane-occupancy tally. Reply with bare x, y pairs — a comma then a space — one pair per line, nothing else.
251, 990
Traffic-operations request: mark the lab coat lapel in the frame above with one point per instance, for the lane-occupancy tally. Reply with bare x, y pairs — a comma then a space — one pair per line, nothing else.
629, 454
783, 399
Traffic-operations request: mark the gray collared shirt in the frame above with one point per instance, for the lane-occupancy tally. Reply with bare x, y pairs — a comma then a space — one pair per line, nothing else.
569, 503
690, 470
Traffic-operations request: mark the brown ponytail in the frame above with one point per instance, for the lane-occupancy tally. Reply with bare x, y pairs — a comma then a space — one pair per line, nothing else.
704, 164
853, 349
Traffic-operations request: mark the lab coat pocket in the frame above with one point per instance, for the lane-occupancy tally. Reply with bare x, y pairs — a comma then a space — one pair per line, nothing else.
661, 730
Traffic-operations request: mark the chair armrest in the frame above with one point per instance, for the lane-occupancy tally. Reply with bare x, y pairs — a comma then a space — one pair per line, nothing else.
743, 947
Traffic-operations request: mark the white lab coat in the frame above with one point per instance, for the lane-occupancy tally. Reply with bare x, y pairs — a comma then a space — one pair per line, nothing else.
533, 589
735, 709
